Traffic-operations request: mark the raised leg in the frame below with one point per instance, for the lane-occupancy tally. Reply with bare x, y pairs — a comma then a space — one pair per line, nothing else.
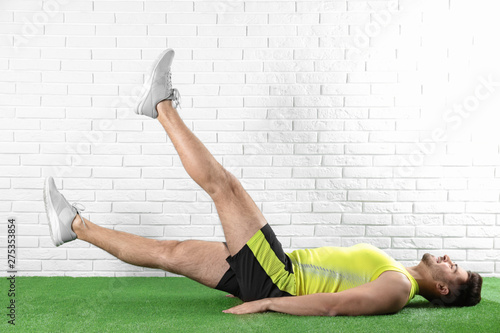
201, 261
239, 215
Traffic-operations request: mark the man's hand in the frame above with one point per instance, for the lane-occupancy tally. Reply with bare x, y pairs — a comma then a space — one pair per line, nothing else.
260, 305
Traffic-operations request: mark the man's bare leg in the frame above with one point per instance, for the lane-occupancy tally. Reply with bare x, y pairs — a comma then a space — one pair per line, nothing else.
239, 215
201, 261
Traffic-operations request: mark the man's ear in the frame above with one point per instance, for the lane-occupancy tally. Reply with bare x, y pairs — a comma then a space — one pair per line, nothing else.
442, 288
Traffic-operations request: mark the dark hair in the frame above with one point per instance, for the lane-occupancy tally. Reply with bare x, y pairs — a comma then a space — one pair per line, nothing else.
467, 294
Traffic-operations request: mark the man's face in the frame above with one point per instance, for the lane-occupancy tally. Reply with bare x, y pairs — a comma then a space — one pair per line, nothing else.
442, 269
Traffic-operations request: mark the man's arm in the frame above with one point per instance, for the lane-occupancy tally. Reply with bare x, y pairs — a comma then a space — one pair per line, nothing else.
387, 294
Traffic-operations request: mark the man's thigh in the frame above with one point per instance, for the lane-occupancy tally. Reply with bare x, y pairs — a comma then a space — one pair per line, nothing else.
238, 213
261, 269
202, 261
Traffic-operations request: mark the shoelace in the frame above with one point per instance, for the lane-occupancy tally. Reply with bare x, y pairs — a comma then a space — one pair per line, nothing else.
79, 208
175, 96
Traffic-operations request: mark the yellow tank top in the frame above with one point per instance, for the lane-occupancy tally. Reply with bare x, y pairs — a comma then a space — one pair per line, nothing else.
334, 269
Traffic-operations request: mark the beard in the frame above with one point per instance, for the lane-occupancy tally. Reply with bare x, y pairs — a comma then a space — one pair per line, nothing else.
427, 259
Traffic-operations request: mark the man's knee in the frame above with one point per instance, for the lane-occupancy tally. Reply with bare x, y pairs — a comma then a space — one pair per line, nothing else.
167, 253
229, 186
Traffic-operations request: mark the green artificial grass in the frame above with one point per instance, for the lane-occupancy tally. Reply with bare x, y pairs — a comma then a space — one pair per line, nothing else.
136, 304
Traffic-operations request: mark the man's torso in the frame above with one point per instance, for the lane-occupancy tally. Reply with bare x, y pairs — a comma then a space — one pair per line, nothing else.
334, 269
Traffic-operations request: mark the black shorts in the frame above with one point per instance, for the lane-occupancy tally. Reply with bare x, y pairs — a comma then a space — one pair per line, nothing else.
261, 269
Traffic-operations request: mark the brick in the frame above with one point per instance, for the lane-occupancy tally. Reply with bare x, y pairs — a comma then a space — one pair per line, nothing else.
366, 219
399, 254
113, 265
7, 88
66, 77
88, 254
365, 195
292, 230
483, 184
89, 17
481, 231
399, 113
66, 54
39, 136
278, 7
232, 78
320, 172
371, 172
43, 89
69, 29
473, 195
192, 18
370, 148
383, 207
170, 195
422, 196
380, 242
303, 161
468, 243
174, 176
170, 7
247, 42
441, 184
372, 77
269, 78
390, 231
480, 267
91, 42
337, 207
9, 159
341, 231
469, 219
15, 76
256, 172
370, 125
67, 265
118, 6
286, 207
304, 149
313, 242
189, 231
104, 172
231, 18
441, 231
187, 208
19, 148
219, 7
267, 101
483, 255
439, 207
271, 196
137, 207
41, 65
90, 184
316, 218
482, 207
296, 184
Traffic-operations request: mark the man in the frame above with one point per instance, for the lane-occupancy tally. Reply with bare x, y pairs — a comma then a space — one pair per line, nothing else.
251, 264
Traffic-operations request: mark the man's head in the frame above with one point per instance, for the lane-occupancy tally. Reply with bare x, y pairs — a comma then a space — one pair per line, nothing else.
452, 285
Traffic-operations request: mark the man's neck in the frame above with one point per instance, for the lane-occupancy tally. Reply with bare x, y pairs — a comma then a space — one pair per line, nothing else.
423, 278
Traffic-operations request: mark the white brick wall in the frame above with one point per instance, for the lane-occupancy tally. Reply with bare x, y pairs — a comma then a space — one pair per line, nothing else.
347, 121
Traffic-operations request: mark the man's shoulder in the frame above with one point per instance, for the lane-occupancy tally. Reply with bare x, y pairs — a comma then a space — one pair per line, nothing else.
396, 283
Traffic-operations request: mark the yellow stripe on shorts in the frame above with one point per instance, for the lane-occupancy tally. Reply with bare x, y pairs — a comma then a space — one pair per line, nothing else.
274, 268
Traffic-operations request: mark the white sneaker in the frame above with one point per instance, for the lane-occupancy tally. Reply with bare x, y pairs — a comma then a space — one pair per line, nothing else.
60, 213
158, 87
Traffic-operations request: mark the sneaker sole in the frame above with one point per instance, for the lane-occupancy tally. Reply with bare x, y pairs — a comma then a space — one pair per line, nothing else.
55, 231
149, 83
